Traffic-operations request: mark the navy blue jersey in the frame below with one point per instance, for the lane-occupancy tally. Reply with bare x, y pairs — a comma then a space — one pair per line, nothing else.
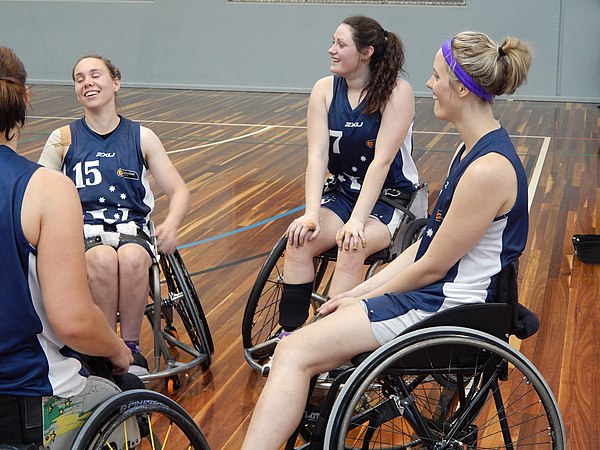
473, 278
31, 359
352, 145
507, 236
110, 174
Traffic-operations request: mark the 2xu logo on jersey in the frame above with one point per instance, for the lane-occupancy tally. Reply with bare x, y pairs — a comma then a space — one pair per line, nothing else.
353, 124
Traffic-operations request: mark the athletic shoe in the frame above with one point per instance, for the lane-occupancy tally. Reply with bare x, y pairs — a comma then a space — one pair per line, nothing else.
278, 337
139, 365
282, 334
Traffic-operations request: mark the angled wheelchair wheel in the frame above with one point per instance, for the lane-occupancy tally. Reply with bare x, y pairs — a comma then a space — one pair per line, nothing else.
183, 298
140, 419
445, 388
261, 316
260, 324
413, 232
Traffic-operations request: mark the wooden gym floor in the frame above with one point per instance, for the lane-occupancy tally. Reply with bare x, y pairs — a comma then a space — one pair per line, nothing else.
243, 156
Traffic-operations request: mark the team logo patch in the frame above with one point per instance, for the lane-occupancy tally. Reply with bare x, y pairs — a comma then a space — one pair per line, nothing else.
371, 143
129, 174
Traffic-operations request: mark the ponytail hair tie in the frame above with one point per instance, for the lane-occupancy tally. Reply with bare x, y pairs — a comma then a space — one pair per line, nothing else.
501, 52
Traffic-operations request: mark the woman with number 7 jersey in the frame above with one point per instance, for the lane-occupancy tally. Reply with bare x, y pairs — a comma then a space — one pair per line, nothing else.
359, 129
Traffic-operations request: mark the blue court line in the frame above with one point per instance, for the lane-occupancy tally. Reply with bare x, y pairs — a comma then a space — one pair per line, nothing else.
239, 230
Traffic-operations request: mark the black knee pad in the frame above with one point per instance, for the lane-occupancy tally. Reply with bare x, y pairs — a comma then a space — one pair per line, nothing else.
293, 308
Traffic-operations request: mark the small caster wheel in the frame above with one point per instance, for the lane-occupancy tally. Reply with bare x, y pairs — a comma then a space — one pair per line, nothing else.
173, 385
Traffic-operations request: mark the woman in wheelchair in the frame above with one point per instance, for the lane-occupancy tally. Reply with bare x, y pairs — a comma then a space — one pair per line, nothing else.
108, 157
45, 299
456, 261
359, 130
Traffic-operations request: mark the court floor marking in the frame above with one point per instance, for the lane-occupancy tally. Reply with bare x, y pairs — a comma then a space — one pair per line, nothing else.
537, 170
251, 125
224, 141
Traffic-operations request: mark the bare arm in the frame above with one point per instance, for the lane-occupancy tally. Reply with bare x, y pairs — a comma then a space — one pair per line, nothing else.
396, 120
307, 226
52, 222
168, 179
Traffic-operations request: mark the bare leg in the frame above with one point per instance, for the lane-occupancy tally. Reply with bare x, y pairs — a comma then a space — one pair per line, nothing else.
134, 264
103, 277
349, 267
299, 357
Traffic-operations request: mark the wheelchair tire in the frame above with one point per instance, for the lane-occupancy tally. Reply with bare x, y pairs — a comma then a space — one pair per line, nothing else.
407, 395
205, 328
180, 286
150, 416
261, 316
413, 232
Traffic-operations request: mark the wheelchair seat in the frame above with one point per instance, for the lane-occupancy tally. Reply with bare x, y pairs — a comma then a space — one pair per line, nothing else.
502, 317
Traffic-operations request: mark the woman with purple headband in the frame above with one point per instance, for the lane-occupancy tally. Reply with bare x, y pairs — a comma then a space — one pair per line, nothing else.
456, 261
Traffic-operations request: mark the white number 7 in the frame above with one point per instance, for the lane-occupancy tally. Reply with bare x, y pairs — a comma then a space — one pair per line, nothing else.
336, 143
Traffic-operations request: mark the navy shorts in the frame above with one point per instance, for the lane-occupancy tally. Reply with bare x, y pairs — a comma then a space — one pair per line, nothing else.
341, 204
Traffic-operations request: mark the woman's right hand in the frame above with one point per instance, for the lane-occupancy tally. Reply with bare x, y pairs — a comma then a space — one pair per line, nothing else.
303, 228
121, 361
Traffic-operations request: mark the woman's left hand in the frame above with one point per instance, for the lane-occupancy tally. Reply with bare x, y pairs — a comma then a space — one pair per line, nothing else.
351, 236
340, 301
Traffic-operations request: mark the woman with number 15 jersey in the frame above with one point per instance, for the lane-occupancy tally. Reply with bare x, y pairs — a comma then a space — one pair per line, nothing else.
108, 157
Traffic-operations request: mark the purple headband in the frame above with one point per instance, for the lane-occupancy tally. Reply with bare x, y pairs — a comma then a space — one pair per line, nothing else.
463, 76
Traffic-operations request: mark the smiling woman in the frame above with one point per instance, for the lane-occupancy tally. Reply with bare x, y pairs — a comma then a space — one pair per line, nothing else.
360, 132
109, 157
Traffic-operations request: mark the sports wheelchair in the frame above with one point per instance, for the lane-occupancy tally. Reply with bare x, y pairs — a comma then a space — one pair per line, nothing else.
260, 324
102, 417
179, 308
449, 382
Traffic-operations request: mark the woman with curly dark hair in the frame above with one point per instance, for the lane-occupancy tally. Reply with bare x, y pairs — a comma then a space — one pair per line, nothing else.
359, 131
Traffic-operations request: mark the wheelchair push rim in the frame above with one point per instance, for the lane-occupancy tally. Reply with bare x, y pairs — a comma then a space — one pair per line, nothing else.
512, 409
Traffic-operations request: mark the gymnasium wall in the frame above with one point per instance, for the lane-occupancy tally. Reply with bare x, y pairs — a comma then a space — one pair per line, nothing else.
216, 44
